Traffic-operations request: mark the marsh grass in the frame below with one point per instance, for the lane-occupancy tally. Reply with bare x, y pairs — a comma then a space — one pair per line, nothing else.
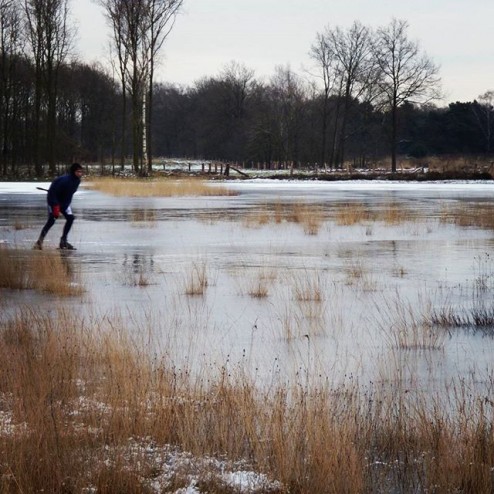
309, 292
357, 274
88, 407
260, 282
310, 217
351, 214
158, 187
390, 213
396, 213
308, 287
256, 219
478, 313
483, 268
469, 215
49, 272
196, 279
300, 320
407, 328
477, 318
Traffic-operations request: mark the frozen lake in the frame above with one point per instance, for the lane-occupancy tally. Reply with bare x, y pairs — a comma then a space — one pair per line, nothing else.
337, 299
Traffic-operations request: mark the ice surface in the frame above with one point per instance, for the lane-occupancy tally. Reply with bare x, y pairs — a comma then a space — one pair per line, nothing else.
138, 258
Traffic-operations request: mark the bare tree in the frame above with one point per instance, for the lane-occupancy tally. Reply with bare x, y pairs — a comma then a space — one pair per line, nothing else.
140, 28
323, 54
484, 115
126, 18
50, 40
355, 71
406, 74
10, 49
162, 14
288, 95
114, 10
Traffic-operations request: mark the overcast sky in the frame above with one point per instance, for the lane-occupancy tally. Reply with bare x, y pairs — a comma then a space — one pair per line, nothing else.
261, 34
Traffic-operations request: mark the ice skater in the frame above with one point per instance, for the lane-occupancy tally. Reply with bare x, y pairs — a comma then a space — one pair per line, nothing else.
59, 199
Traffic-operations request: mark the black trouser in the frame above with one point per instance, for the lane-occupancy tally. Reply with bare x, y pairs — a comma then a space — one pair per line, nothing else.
51, 221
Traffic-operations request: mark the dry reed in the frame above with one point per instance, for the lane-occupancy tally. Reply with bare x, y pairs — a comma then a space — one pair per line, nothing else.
157, 187
470, 215
310, 217
196, 279
351, 214
308, 287
389, 213
74, 391
49, 272
409, 329
260, 282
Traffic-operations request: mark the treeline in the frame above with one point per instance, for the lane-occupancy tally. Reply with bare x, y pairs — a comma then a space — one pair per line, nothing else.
229, 117
358, 106
233, 119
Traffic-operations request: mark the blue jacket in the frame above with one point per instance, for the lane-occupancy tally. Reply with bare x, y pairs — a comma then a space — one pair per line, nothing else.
62, 189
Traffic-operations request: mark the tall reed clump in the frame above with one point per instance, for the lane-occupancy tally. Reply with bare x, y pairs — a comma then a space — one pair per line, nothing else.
86, 407
196, 280
408, 329
309, 216
351, 214
260, 282
125, 187
49, 272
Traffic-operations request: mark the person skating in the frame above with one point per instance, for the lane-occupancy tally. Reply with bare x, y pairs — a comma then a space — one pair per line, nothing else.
59, 199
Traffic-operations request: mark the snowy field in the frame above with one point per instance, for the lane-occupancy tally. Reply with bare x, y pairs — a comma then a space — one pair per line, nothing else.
239, 282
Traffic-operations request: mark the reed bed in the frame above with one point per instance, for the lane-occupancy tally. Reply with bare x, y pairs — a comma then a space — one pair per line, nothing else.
390, 213
470, 215
407, 328
125, 187
48, 272
84, 407
310, 217
351, 214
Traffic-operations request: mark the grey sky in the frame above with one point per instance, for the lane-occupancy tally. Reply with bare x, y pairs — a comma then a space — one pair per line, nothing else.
262, 34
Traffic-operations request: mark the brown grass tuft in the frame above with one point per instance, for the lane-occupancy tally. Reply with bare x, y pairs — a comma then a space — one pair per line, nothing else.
351, 214
49, 272
196, 279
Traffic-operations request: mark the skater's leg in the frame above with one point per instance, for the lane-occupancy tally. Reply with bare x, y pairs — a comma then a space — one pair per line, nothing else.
49, 223
69, 217
68, 225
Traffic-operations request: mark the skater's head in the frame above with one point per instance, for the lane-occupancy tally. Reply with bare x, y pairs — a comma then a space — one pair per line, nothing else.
76, 169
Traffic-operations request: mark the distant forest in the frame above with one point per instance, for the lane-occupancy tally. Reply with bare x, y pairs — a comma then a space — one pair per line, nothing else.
55, 111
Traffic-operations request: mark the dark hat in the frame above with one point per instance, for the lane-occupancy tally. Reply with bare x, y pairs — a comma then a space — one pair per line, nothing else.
74, 167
